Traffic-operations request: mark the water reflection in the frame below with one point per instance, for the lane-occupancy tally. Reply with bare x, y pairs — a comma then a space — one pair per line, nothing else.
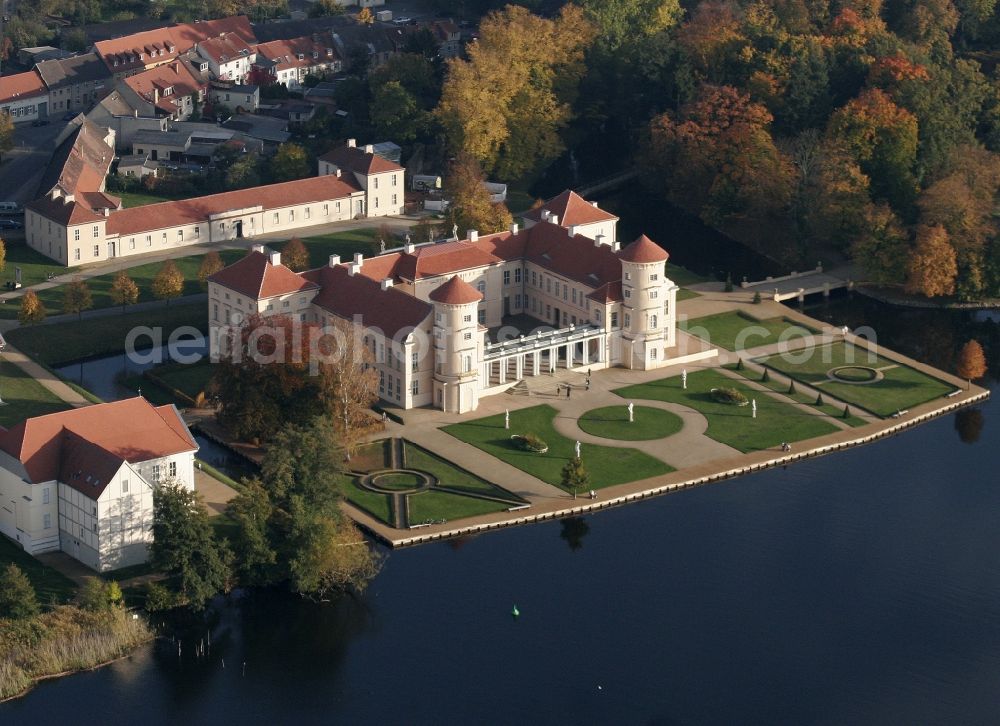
969, 425
573, 530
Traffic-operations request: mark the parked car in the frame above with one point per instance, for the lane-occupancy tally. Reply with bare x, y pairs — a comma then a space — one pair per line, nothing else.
40, 122
10, 224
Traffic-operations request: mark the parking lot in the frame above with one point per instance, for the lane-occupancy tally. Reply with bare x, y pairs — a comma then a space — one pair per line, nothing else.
22, 166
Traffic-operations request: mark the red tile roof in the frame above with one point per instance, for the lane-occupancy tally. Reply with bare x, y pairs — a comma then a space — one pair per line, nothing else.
92, 439
644, 250
151, 85
456, 292
285, 53
391, 311
225, 48
182, 38
608, 292
255, 277
357, 160
572, 209
442, 258
577, 257
21, 85
138, 220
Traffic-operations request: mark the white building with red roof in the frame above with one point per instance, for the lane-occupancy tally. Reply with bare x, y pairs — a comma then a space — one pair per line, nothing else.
229, 56
380, 179
24, 96
82, 480
577, 215
288, 62
426, 311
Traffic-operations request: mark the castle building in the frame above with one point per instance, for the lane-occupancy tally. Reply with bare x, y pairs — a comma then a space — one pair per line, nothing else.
450, 322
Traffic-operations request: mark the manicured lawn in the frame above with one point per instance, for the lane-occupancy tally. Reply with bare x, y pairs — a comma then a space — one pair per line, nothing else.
141, 199
435, 505
23, 396
371, 457
375, 504
397, 480
607, 466
776, 421
901, 387
611, 422
685, 294
683, 276
34, 266
736, 330
50, 585
101, 335
518, 200
190, 379
451, 476
829, 407
344, 244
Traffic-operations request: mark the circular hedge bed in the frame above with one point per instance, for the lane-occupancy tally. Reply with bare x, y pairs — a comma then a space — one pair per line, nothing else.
398, 481
529, 442
854, 374
611, 422
729, 396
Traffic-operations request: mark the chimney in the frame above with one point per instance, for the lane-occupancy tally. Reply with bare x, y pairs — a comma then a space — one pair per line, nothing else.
257, 248
275, 258
595, 205
514, 228
359, 259
408, 248
572, 230
369, 149
337, 172
352, 143
472, 235
615, 246
354, 269
334, 260
545, 215
107, 212
598, 240
387, 283
554, 218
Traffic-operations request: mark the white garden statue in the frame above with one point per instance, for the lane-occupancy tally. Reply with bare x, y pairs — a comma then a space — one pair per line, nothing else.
753, 408
684, 378
577, 448
631, 412
506, 418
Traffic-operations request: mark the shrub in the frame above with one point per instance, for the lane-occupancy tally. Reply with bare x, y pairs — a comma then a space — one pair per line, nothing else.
819, 399
17, 596
766, 377
530, 442
847, 411
791, 387
729, 396
159, 598
729, 282
756, 298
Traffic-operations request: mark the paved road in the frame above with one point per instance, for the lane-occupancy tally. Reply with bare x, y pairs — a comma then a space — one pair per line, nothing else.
22, 167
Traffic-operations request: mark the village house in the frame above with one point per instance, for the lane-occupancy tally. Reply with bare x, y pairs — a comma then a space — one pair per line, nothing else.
426, 311
229, 57
288, 62
171, 90
381, 180
24, 97
76, 83
81, 481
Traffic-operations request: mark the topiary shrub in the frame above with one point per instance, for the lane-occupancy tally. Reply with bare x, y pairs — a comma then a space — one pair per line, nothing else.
766, 377
530, 442
729, 396
756, 298
819, 399
791, 387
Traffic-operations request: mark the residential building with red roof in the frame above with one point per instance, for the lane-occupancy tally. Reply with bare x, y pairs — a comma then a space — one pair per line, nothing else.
229, 56
23, 96
82, 480
167, 91
381, 179
427, 311
288, 62
576, 214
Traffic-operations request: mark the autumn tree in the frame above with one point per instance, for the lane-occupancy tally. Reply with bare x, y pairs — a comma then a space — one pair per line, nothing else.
882, 137
3, 255
470, 206
32, 311
971, 363
6, 133
17, 595
620, 22
365, 16
168, 283
882, 246
210, 264
77, 297
932, 268
294, 255
525, 69
574, 476
123, 290
289, 162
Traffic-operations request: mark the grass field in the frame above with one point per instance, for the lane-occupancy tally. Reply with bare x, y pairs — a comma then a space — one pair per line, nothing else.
101, 335
188, 378
433, 505
344, 244
731, 425
141, 199
35, 266
23, 396
377, 505
829, 406
900, 388
50, 586
736, 330
683, 276
607, 466
685, 294
449, 475
611, 422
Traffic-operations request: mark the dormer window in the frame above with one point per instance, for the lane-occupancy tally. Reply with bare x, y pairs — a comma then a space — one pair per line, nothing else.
301, 56
168, 90
315, 54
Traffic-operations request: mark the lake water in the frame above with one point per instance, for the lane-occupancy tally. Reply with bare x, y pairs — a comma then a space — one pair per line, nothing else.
858, 588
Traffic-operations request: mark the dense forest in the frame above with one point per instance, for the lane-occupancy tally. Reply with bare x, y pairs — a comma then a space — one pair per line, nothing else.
807, 129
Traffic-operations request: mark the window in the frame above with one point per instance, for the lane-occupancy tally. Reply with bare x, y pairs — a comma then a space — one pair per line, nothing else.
308, 212
548, 284
326, 210
482, 317
481, 286
467, 336
574, 296
534, 278
124, 486
614, 320
131, 243
376, 182
628, 275
45, 495
652, 321
97, 232
414, 361
291, 215
180, 235
557, 289
654, 277
517, 300
394, 181
394, 202
215, 311
399, 387
467, 319
467, 364
628, 293
652, 353
197, 232
414, 385
47, 521
76, 235
381, 382
517, 274
376, 202
149, 240
275, 217
76, 253
506, 277
156, 472
653, 294
172, 468
565, 292
628, 320
97, 250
